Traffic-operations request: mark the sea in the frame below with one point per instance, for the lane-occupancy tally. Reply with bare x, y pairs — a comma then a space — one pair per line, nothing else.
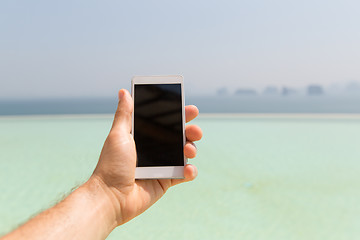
267, 176
261, 175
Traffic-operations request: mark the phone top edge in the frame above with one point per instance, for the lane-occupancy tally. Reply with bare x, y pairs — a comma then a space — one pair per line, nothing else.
160, 76
165, 79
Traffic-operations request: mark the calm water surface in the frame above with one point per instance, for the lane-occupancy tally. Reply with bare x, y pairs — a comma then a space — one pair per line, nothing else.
259, 178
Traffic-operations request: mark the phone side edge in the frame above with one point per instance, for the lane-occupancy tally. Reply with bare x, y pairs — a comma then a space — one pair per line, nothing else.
183, 117
133, 99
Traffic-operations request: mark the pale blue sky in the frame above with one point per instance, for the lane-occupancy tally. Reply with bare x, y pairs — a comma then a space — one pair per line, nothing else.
92, 48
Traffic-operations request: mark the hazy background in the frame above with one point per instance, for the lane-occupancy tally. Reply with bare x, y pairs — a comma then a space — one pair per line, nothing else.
90, 49
266, 176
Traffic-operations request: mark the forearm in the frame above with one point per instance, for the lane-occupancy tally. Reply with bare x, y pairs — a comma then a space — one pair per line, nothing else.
87, 213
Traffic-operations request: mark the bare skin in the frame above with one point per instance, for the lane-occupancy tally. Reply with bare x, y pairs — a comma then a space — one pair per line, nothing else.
111, 196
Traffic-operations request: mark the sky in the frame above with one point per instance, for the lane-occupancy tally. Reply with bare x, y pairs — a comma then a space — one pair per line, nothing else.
88, 48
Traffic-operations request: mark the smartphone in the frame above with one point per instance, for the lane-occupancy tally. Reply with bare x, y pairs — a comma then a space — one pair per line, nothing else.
158, 126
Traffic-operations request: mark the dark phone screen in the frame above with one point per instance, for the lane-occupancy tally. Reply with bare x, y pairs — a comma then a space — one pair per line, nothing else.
158, 127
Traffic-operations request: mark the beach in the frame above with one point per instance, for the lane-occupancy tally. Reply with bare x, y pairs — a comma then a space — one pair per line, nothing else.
267, 176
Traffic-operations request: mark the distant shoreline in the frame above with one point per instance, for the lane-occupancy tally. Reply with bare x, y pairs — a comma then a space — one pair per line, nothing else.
201, 116
283, 115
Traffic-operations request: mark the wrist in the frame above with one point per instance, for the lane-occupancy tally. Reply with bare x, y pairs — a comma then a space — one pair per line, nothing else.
107, 203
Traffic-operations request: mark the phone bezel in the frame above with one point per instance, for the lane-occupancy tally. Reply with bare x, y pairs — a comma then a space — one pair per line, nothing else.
168, 171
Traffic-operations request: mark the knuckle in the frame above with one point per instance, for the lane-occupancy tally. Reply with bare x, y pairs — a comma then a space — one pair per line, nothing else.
113, 136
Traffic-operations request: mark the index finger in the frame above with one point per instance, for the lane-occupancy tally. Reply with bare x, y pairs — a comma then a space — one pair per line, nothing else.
191, 112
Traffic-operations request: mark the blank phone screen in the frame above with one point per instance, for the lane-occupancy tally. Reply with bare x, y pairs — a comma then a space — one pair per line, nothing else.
158, 126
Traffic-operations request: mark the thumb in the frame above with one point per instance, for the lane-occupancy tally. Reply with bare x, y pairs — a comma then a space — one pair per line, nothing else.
123, 115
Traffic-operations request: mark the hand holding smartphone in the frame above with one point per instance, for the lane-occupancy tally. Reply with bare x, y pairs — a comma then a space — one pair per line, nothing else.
158, 126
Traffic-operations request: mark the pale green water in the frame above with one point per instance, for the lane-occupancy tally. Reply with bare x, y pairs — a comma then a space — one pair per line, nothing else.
259, 178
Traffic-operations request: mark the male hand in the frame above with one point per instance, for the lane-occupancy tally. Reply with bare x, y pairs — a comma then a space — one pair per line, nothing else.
111, 196
116, 167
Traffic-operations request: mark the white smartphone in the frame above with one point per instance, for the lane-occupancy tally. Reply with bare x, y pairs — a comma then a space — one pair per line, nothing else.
158, 126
